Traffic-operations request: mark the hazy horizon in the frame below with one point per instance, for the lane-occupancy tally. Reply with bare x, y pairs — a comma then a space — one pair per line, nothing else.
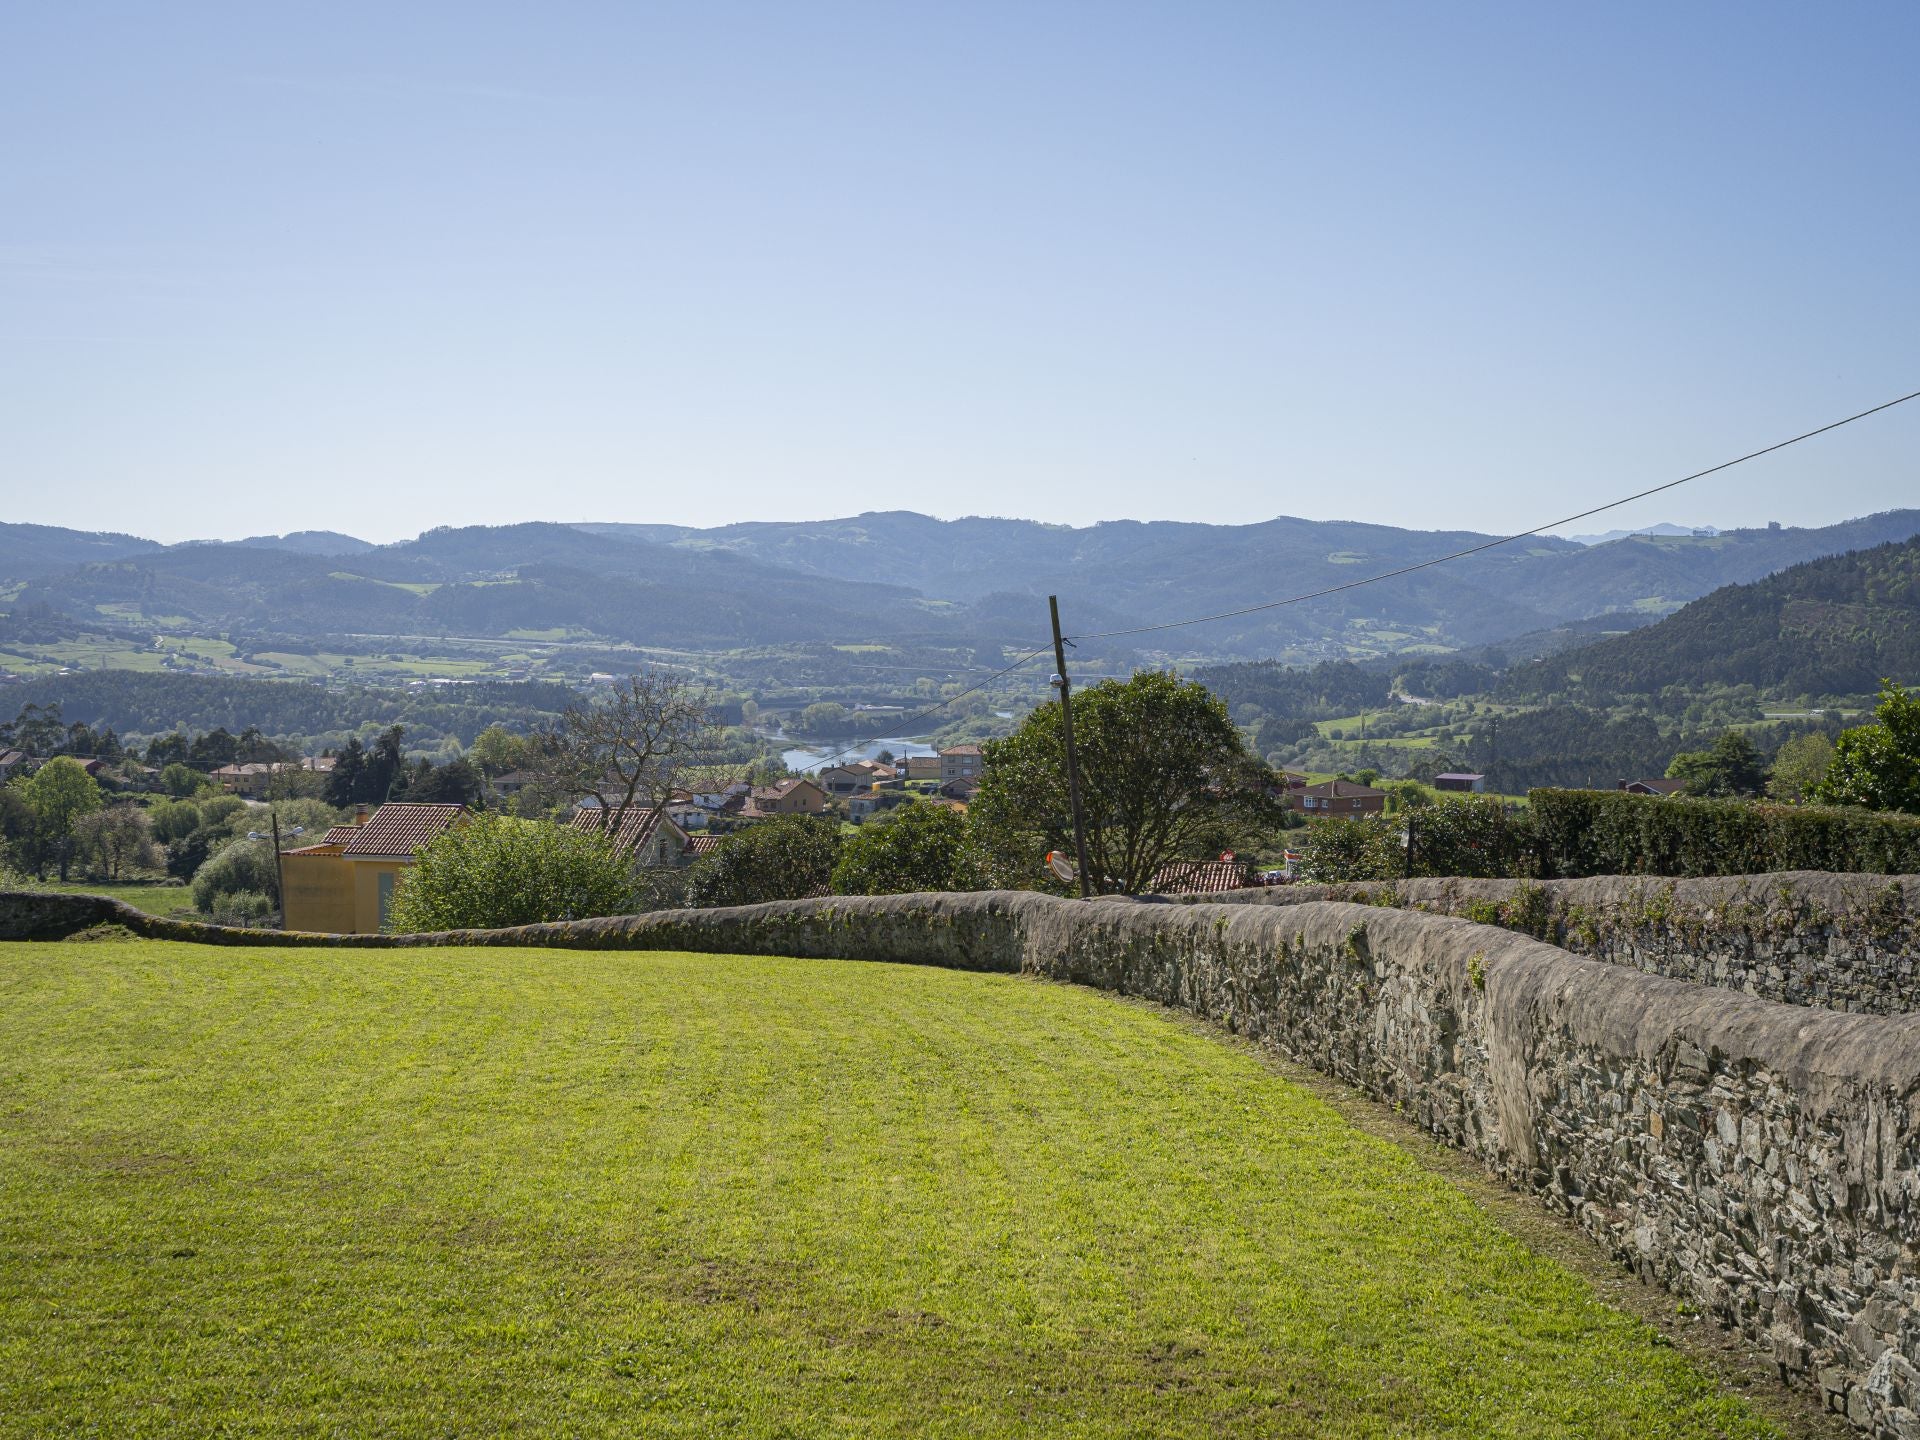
1469, 267
1592, 528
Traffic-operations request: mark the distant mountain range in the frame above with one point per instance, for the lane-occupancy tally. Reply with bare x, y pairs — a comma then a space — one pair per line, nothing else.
893, 576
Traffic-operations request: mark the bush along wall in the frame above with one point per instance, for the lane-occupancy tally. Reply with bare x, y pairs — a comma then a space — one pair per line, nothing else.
1606, 832
1568, 834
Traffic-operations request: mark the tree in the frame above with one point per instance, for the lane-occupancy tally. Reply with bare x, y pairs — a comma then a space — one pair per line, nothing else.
790, 857
243, 868
496, 750
496, 870
1728, 767
1879, 765
58, 794
1799, 766
631, 750
117, 840
454, 783
1164, 776
180, 779
368, 775
917, 847
213, 749
823, 717
167, 750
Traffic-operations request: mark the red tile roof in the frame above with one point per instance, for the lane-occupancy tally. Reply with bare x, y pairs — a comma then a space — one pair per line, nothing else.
1343, 790
1202, 877
636, 826
339, 835
698, 845
401, 829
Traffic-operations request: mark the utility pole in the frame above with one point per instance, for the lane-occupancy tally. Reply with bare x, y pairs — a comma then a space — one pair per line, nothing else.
279, 868
1066, 730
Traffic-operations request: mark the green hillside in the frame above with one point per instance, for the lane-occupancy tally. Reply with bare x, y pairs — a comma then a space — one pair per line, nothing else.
1835, 626
488, 1192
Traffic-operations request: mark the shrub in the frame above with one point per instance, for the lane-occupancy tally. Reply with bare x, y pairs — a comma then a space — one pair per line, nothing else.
1366, 847
497, 870
918, 847
242, 908
244, 866
178, 779
174, 820
1605, 832
221, 809
1472, 836
790, 857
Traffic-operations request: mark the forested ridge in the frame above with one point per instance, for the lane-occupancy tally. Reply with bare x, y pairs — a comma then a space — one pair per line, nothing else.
1833, 626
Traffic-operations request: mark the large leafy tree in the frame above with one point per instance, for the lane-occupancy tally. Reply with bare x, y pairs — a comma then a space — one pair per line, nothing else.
497, 870
1164, 776
1879, 765
1799, 766
57, 795
1729, 767
917, 847
787, 858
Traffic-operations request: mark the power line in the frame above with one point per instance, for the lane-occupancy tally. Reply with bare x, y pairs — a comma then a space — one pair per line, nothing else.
1494, 544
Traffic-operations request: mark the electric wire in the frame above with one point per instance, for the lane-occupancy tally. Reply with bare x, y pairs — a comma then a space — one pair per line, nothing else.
1493, 544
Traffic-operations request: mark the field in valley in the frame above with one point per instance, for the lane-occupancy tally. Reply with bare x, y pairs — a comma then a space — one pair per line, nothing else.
447, 1192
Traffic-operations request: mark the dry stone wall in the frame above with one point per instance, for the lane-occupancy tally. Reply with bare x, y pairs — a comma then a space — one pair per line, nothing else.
1757, 1158
1840, 942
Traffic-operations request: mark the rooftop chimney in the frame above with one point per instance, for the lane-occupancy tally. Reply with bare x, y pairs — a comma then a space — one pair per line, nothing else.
359, 815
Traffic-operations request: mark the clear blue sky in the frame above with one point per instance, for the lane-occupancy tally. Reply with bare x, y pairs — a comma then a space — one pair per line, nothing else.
382, 267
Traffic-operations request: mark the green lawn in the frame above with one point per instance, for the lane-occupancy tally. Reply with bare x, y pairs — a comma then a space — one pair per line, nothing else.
454, 1193
166, 901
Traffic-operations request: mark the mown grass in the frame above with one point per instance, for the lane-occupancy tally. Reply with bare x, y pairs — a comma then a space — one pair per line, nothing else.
451, 1193
169, 902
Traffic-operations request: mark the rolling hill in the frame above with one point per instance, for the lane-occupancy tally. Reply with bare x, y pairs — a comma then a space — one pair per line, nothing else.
899, 576
1833, 626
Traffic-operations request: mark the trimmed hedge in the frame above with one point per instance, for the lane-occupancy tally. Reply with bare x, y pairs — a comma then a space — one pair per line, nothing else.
1608, 832
1571, 834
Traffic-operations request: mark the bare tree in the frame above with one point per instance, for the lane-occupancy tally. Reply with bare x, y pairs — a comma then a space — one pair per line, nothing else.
630, 751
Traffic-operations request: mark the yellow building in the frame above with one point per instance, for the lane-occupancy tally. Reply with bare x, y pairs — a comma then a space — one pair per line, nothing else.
345, 884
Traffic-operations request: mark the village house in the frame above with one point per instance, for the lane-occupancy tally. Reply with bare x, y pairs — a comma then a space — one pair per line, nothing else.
510, 783
854, 777
921, 767
13, 762
345, 883
796, 795
653, 840
254, 780
962, 790
1461, 780
1651, 787
961, 762
1340, 799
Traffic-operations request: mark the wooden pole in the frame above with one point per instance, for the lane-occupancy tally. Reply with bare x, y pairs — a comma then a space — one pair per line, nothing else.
279, 869
1073, 765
